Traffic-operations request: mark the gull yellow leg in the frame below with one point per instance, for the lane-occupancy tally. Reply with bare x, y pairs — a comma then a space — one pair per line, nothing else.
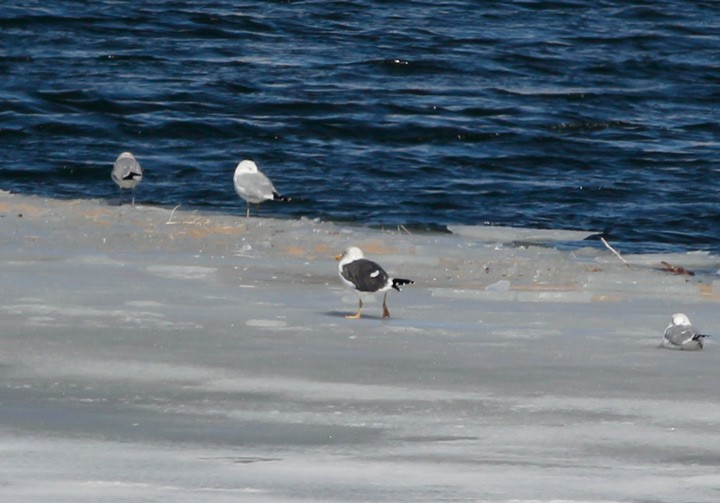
356, 316
386, 313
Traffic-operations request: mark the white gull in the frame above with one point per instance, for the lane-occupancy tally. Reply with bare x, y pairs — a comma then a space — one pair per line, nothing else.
253, 186
127, 173
680, 334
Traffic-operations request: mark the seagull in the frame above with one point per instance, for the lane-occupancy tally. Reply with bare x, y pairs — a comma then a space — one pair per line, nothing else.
364, 275
127, 173
253, 186
680, 334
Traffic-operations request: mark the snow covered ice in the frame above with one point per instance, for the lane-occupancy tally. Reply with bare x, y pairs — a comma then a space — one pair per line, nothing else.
152, 355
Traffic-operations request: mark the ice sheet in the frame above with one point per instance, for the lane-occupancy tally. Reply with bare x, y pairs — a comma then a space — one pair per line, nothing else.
160, 356
502, 234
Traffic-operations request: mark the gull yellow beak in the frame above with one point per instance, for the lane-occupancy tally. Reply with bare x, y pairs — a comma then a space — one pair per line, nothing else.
338, 257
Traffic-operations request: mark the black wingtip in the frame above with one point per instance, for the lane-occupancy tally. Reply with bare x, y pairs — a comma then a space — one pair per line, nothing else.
398, 282
278, 197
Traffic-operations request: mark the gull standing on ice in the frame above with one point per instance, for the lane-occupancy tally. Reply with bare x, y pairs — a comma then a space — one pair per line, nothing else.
680, 334
253, 186
127, 173
365, 275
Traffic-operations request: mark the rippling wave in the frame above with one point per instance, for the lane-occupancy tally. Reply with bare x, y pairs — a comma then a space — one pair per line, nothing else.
557, 114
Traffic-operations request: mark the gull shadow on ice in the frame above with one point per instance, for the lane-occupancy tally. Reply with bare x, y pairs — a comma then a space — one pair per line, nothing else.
343, 314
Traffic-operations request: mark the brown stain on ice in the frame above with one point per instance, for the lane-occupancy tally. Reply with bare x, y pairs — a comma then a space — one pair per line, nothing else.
570, 287
225, 230
94, 214
104, 223
99, 217
446, 262
296, 251
320, 249
24, 209
204, 232
606, 298
707, 292
197, 233
377, 247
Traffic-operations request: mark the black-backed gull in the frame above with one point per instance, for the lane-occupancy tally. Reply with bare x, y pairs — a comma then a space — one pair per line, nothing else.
364, 275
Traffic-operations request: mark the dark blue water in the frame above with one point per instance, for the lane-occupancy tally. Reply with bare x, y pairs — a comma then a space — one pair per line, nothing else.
556, 114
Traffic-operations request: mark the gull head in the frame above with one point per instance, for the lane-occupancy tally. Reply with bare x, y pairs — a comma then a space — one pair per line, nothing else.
350, 254
680, 319
246, 166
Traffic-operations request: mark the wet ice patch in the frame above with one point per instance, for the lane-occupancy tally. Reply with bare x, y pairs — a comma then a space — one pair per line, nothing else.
43, 315
565, 296
141, 371
367, 298
244, 251
266, 323
642, 282
143, 303
694, 259
40, 321
500, 286
102, 260
525, 333
316, 391
513, 234
405, 329
181, 272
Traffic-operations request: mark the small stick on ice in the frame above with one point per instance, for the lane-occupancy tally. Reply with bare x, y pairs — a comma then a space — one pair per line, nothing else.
401, 226
617, 254
171, 215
